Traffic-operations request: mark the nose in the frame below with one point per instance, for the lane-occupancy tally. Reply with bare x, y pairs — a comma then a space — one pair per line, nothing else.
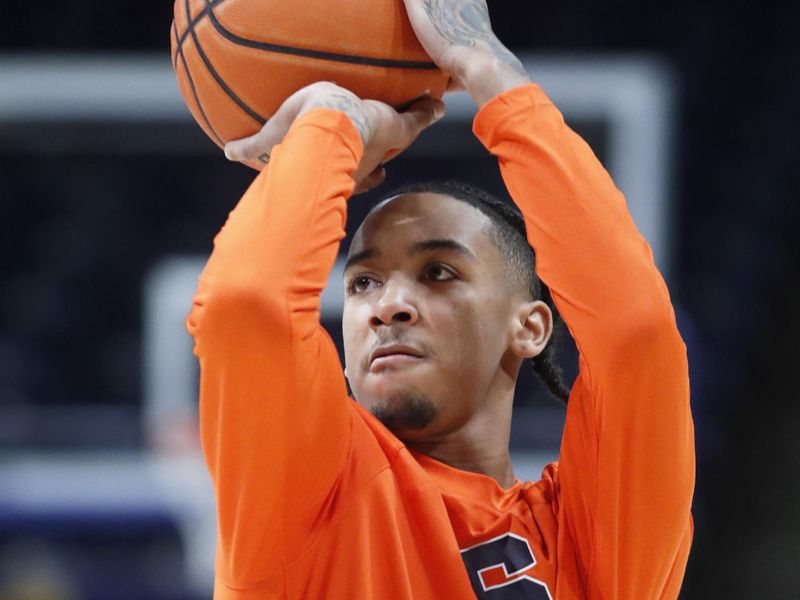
394, 306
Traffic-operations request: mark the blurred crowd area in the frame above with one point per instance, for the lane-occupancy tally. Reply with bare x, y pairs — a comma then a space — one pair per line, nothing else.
73, 261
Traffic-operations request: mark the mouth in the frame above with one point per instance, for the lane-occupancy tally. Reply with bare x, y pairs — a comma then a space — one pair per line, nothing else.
393, 357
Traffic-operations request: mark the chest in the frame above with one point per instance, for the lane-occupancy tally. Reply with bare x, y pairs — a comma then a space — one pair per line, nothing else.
414, 542
509, 551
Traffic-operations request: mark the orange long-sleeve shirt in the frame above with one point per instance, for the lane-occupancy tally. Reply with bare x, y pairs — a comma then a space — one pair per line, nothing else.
316, 499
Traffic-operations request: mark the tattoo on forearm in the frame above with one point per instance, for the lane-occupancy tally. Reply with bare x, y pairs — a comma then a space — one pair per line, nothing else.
465, 22
352, 109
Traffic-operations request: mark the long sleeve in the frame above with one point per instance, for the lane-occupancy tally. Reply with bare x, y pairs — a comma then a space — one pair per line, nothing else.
274, 414
626, 470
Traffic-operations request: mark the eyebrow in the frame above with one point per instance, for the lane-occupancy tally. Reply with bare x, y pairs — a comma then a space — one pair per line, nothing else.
417, 248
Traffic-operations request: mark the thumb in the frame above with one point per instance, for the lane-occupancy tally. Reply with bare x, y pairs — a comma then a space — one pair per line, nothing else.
454, 85
420, 115
372, 180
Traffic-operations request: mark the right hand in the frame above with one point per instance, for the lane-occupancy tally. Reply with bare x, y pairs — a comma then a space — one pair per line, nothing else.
384, 131
458, 36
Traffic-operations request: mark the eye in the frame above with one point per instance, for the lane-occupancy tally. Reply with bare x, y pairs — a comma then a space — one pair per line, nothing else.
361, 283
437, 272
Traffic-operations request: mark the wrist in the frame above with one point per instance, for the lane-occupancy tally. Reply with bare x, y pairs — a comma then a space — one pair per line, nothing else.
344, 101
486, 75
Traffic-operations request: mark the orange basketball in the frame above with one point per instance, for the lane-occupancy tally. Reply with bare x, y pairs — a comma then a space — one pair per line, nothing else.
238, 60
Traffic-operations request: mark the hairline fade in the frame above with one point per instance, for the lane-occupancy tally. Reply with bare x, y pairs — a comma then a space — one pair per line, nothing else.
505, 230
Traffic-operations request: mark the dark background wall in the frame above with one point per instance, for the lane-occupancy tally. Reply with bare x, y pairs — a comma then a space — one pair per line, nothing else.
737, 189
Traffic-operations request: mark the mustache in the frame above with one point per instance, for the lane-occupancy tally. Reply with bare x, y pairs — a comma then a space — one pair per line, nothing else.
401, 338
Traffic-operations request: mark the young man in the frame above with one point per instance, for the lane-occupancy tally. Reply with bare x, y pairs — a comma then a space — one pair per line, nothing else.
408, 492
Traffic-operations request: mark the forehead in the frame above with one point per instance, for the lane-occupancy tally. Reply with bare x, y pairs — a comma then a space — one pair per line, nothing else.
410, 218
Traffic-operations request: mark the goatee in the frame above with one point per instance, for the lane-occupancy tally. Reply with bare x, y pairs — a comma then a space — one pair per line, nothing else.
406, 411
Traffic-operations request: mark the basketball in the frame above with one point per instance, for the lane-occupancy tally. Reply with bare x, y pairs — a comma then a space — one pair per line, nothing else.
237, 60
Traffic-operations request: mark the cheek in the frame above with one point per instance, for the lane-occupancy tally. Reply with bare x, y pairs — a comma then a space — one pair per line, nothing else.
475, 339
457, 329
355, 326
348, 335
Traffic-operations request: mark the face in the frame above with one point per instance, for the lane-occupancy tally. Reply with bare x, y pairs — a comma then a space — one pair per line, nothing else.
428, 314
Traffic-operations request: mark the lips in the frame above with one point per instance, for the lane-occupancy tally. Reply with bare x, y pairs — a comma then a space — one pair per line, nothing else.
393, 355
394, 349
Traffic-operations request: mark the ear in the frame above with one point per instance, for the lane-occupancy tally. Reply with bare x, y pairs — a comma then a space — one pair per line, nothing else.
531, 329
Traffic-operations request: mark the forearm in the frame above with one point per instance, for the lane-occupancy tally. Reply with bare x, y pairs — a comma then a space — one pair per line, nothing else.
488, 72
282, 238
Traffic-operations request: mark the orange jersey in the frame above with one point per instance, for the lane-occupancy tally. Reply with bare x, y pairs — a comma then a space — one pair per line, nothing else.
317, 499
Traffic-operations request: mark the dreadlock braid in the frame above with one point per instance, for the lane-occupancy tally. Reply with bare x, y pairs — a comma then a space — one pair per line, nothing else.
545, 364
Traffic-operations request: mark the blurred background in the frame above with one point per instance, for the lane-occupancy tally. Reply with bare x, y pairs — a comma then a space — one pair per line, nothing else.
110, 196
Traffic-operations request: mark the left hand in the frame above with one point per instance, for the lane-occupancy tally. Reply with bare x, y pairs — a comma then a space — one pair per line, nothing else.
458, 36
384, 132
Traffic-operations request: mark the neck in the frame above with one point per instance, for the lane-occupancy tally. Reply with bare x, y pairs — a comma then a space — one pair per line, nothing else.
481, 444
469, 458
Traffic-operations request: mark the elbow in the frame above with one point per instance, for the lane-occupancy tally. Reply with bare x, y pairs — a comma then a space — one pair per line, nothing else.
649, 348
238, 311
656, 328
645, 319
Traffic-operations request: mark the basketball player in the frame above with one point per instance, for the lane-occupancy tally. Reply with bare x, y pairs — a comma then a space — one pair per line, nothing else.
407, 490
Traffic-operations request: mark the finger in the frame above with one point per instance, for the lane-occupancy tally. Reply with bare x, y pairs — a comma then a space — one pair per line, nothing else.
453, 85
371, 181
391, 154
257, 147
255, 164
419, 116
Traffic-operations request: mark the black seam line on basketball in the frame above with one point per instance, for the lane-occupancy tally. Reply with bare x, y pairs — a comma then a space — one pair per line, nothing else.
197, 98
309, 53
177, 48
231, 94
196, 20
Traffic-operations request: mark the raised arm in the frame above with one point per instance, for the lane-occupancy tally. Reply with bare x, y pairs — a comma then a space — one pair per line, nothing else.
627, 464
275, 417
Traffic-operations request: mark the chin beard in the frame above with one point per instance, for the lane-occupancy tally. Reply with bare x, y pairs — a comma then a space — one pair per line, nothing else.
406, 411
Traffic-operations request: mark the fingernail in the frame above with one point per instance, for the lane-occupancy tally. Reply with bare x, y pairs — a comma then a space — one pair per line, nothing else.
438, 110
227, 150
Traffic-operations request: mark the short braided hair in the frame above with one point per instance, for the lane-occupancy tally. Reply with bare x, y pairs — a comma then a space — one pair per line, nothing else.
509, 235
